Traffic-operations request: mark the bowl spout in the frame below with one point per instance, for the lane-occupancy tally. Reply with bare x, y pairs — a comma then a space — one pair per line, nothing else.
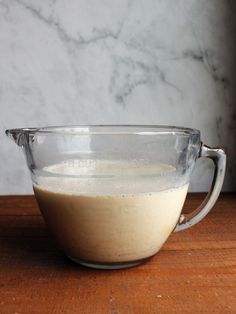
19, 135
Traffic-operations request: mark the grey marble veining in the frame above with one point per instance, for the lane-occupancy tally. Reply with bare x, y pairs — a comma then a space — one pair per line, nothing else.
127, 61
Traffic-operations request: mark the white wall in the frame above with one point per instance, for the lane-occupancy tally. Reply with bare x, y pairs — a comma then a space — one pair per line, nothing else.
127, 61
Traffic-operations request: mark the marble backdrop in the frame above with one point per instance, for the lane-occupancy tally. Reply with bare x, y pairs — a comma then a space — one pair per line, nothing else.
123, 61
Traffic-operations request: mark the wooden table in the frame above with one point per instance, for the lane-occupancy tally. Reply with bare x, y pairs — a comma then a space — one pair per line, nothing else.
195, 272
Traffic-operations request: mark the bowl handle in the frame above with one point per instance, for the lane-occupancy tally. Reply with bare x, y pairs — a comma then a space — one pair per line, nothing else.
219, 158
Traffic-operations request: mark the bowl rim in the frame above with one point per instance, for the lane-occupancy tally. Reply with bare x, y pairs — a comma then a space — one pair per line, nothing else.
106, 129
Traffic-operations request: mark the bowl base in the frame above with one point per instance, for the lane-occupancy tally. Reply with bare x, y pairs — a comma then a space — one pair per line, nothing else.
102, 265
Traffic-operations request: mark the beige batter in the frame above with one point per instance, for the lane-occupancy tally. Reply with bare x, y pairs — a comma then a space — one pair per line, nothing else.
108, 228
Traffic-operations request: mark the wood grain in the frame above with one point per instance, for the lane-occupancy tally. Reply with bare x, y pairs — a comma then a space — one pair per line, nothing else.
195, 272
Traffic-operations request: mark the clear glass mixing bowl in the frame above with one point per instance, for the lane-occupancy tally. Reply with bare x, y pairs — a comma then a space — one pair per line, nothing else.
112, 195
